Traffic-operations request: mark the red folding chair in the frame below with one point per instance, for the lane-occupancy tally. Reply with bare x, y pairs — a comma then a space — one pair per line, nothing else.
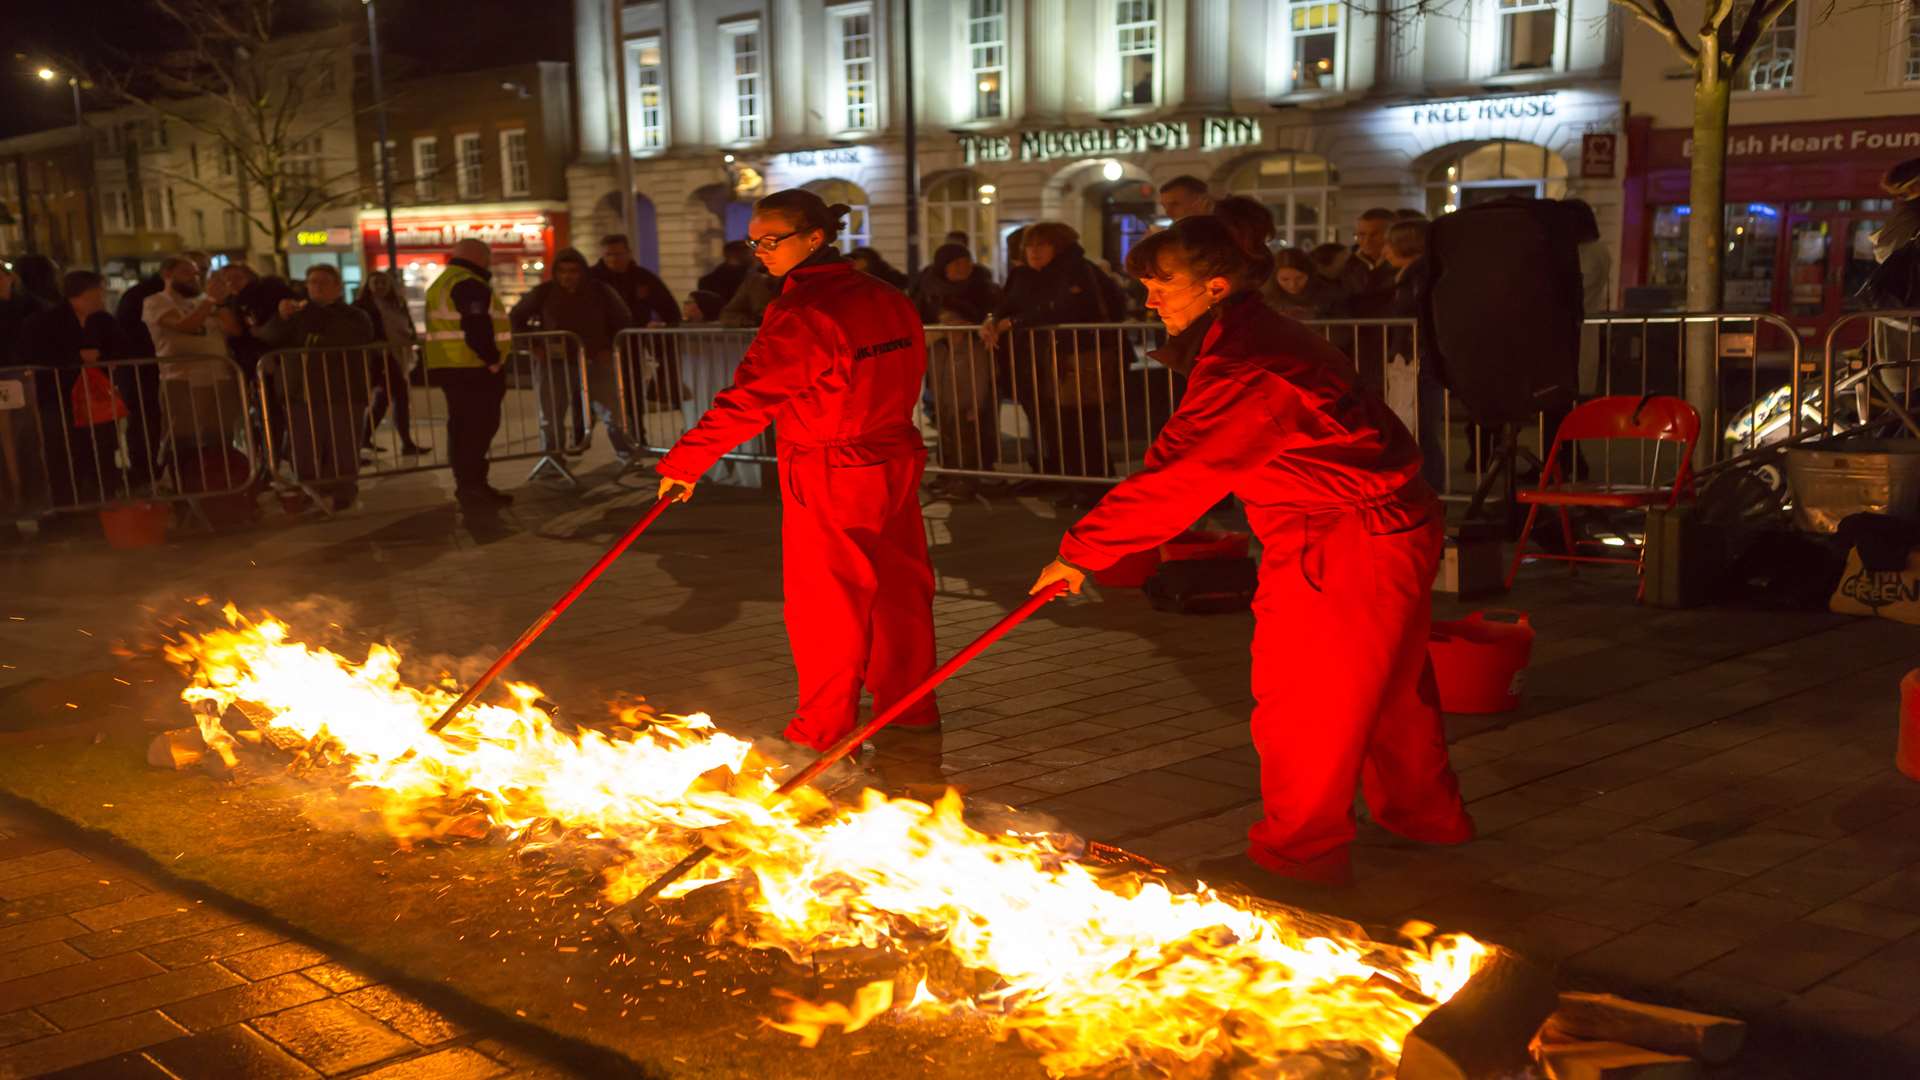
1653, 418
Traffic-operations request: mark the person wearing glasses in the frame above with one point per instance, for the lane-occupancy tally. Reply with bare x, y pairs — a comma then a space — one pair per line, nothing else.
836, 367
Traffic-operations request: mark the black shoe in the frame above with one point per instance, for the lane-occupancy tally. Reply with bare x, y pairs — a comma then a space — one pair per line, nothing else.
482, 496
499, 497
414, 449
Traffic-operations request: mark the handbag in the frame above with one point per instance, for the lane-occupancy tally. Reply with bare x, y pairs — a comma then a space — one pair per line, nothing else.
95, 401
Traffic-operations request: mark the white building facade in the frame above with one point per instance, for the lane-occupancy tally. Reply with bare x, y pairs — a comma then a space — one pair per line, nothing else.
1077, 110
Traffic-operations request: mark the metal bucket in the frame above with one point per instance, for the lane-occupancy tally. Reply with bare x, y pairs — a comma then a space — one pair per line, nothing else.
1834, 479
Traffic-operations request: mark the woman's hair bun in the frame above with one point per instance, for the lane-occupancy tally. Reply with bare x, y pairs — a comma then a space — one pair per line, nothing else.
839, 210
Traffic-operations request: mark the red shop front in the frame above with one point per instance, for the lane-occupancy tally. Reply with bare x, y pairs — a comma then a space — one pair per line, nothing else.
523, 237
1803, 202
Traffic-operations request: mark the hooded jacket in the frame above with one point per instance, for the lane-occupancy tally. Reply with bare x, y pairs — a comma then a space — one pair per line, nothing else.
836, 367
1270, 415
969, 301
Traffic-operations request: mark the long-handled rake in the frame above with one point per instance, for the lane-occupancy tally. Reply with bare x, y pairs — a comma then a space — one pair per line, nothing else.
623, 915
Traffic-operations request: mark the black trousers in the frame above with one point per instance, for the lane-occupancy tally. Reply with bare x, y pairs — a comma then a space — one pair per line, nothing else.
474, 396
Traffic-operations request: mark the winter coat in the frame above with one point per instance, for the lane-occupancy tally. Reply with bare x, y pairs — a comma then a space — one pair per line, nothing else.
750, 300
1081, 368
647, 297
963, 302
1321, 299
335, 366
1271, 416
594, 312
837, 367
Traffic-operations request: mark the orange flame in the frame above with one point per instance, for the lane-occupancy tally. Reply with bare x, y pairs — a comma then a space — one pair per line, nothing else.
1086, 968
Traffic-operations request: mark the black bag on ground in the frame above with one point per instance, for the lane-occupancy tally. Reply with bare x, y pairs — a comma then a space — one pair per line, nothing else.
1203, 586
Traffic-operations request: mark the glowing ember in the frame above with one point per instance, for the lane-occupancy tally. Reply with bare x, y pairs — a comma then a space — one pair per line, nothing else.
1085, 967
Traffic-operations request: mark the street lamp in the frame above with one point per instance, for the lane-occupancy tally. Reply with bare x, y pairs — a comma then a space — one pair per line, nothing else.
48, 75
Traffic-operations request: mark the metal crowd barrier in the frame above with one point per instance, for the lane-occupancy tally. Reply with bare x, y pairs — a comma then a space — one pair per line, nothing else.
1867, 371
667, 376
118, 432
332, 417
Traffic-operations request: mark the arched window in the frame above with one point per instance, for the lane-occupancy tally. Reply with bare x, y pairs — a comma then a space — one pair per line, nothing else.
854, 231
1295, 187
963, 202
1494, 170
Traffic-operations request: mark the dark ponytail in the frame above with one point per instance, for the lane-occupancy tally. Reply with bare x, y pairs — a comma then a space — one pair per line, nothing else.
804, 210
1230, 243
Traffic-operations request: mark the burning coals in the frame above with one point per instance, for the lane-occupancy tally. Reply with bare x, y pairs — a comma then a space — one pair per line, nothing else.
1085, 966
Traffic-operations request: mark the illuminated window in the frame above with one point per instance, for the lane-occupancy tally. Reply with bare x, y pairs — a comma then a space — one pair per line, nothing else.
466, 155
855, 35
646, 96
749, 109
987, 55
1770, 65
426, 167
1314, 27
966, 203
1136, 27
1495, 170
516, 173
1528, 29
1910, 71
1295, 187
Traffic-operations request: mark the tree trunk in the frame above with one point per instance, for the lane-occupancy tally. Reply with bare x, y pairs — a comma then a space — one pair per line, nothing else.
1706, 241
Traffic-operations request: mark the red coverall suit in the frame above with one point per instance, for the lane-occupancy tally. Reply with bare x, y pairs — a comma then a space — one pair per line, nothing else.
1342, 685
837, 366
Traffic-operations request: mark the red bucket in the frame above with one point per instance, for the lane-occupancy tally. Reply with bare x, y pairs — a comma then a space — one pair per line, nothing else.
1131, 572
1481, 663
136, 525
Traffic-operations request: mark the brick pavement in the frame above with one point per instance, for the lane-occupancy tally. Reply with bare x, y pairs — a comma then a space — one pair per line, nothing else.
1697, 806
105, 972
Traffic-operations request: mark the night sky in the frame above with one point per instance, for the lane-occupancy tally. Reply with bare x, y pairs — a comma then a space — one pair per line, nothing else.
431, 34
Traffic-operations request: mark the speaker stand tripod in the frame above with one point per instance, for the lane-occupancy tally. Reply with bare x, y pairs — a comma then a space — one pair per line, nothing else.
1504, 465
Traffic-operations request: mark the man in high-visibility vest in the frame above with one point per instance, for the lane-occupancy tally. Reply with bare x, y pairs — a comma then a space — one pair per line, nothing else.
468, 338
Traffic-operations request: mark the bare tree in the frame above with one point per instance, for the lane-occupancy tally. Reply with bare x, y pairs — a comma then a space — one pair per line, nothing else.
266, 100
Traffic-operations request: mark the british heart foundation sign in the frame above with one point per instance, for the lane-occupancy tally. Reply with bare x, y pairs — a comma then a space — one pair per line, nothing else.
1892, 138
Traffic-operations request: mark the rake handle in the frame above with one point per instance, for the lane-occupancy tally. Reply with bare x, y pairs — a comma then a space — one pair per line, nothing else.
854, 738
528, 636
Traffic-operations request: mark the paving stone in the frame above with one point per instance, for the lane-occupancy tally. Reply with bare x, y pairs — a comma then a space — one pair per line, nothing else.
410, 1017
229, 1052
133, 1065
56, 1052
51, 881
456, 1064
37, 960
152, 931
244, 1002
43, 862
1750, 853
134, 909
333, 1036
1864, 918
276, 959
1652, 955
138, 995
1621, 853
1834, 1009
38, 932
1795, 956
65, 982
20, 1026
213, 945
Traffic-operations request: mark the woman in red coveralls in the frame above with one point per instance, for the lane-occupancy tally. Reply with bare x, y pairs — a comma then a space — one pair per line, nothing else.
836, 367
1343, 690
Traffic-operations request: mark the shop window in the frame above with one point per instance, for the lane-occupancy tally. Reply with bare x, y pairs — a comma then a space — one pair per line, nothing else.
1528, 30
964, 202
987, 56
1747, 266
853, 30
466, 155
426, 168
1495, 170
1296, 188
855, 231
516, 172
1136, 27
646, 96
749, 111
1313, 32
1770, 66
